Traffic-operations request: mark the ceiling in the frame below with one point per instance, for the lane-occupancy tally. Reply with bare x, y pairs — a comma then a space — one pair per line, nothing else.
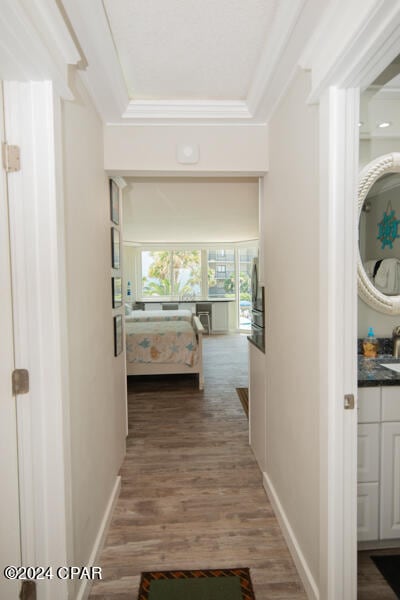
191, 49
189, 61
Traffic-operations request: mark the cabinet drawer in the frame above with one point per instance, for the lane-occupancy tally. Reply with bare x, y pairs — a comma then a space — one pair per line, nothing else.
391, 403
367, 511
368, 452
369, 405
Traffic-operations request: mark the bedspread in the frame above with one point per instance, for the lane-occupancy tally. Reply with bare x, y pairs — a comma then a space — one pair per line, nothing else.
161, 342
138, 316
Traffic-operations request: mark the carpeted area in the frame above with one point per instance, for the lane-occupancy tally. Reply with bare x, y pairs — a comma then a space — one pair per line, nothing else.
243, 394
215, 584
389, 566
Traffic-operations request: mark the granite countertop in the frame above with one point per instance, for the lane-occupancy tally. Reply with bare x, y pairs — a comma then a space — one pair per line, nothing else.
371, 373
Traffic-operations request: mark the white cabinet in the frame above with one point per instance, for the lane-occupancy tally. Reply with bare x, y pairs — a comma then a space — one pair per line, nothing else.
367, 511
378, 469
368, 453
390, 481
220, 316
257, 405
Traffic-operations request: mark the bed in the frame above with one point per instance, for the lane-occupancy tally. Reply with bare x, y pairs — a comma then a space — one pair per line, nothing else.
137, 316
164, 344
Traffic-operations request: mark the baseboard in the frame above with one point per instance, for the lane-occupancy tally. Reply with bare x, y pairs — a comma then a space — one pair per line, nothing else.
84, 589
310, 586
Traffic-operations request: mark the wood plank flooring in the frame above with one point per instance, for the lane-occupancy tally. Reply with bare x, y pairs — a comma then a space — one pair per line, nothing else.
192, 494
371, 584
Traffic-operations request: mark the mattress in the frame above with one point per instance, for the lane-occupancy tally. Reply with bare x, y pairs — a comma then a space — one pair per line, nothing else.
138, 316
169, 342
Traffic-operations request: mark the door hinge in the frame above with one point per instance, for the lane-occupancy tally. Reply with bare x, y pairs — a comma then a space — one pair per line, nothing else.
11, 158
20, 381
28, 590
349, 402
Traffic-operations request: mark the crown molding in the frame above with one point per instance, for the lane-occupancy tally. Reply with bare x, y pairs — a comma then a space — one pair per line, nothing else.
352, 45
35, 44
293, 24
186, 109
103, 77
287, 14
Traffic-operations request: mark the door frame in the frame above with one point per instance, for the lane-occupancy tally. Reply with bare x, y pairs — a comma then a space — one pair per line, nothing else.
342, 66
32, 122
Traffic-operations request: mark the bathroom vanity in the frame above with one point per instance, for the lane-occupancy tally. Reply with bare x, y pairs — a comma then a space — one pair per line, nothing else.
378, 477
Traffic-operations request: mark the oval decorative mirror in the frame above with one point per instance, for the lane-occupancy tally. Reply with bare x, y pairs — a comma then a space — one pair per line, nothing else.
379, 234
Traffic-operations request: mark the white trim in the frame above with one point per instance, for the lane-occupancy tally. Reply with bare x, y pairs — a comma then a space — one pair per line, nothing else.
188, 174
338, 334
86, 585
291, 540
35, 44
189, 245
186, 109
38, 317
352, 45
103, 77
285, 19
121, 183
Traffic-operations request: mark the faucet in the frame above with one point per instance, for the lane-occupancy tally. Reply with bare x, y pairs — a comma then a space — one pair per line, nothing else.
396, 342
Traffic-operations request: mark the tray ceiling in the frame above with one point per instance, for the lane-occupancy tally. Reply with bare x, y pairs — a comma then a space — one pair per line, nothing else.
189, 61
189, 50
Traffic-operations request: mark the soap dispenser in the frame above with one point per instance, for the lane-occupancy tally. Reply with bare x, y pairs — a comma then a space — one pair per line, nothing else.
370, 344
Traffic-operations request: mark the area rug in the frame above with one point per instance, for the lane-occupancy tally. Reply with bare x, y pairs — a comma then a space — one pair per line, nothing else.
389, 566
243, 394
215, 584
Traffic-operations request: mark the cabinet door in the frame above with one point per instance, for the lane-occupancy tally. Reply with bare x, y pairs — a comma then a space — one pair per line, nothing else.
367, 511
368, 452
390, 481
257, 405
369, 405
219, 316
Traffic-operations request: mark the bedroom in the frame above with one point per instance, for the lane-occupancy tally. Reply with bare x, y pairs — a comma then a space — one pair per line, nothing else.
189, 243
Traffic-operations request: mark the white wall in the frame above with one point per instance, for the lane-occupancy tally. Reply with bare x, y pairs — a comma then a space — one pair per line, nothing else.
368, 317
223, 149
191, 210
96, 378
291, 276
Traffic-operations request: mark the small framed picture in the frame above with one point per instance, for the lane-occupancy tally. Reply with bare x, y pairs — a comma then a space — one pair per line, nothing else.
116, 283
115, 248
114, 202
118, 332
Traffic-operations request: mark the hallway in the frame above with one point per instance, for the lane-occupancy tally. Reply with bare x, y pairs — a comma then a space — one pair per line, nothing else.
192, 494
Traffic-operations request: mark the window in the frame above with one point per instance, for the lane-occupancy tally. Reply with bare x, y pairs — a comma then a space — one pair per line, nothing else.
221, 273
246, 256
202, 273
171, 272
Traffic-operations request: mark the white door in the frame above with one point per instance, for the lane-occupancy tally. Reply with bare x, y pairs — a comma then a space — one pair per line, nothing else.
10, 547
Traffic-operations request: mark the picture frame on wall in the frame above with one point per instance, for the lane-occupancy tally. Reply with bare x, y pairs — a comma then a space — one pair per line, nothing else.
114, 202
118, 335
115, 248
116, 285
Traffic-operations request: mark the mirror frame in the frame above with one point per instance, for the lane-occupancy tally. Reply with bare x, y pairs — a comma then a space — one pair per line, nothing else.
387, 163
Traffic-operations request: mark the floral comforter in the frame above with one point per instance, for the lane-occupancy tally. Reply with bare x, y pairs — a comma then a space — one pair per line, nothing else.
161, 342
138, 316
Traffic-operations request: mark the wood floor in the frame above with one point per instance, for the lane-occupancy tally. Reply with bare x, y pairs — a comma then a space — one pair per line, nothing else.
192, 495
371, 584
